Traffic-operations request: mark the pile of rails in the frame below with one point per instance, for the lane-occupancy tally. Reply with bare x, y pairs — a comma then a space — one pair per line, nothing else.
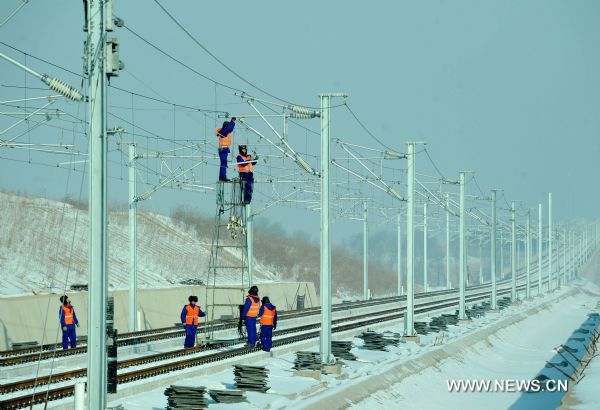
380, 341
186, 397
308, 361
227, 396
341, 350
253, 378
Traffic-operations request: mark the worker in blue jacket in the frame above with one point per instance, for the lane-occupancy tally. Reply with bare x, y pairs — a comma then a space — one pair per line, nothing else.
68, 322
268, 322
250, 313
189, 317
245, 164
224, 135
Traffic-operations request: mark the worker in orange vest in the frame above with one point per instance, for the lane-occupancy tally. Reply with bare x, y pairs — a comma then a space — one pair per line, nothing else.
250, 313
189, 317
224, 135
245, 165
68, 322
268, 322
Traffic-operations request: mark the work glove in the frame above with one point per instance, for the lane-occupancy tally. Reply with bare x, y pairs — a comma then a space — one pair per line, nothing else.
254, 156
64, 328
77, 325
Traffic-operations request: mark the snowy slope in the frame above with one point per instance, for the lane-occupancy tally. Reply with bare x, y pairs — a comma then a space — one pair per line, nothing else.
44, 244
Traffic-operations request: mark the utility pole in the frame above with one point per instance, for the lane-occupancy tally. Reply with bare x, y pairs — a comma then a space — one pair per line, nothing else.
132, 240
528, 251
425, 282
462, 315
540, 249
513, 253
399, 222
250, 243
564, 248
365, 251
493, 250
480, 258
97, 81
325, 268
448, 285
549, 241
409, 326
501, 254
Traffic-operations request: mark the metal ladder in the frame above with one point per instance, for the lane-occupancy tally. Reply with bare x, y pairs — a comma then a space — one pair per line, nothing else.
228, 263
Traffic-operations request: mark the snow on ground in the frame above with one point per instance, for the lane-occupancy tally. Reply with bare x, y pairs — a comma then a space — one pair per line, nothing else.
43, 245
413, 375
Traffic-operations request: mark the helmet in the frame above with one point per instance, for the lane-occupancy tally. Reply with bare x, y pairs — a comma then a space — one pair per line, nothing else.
253, 291
242, 148
193, 299
63, 299
265, 300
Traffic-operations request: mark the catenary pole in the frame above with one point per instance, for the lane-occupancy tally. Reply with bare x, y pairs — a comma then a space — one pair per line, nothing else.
325, 268
96, 343
493, 303
365, 251
513, 253
462, 315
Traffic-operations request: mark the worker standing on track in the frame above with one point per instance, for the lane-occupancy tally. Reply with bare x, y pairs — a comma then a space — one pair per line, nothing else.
245, 163
224, 135
268, 322
250, 313
189, 317
68, 322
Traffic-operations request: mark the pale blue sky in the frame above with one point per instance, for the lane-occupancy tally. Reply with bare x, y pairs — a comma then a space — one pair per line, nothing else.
510, 89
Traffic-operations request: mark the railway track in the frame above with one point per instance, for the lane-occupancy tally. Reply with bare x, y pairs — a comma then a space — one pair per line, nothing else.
282, 337
54, 350
131, 339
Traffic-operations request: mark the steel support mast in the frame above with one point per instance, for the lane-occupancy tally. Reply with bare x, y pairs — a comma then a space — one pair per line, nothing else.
97, 82
448, 285
132, 240
425, 281
365, 251
540, 249
462, 315
325, 269
513, 253
493, 302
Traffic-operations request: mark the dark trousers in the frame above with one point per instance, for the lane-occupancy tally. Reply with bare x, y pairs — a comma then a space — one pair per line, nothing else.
223, 152
190, 335
247, 179
251, 330
69, 336
266, 337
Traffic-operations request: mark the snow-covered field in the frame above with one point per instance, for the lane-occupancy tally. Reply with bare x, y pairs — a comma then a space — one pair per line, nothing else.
512, 344
44, 245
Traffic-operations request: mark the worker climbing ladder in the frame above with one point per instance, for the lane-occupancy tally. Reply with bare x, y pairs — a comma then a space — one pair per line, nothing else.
228, 265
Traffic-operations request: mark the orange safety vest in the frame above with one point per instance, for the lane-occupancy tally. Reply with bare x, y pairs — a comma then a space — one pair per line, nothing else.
254, 307
268, 315
225, 140
247, 167
68, 315
191, 315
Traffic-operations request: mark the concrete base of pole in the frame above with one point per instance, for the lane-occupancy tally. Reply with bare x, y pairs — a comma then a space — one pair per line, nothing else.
464, 321
332, 368
517, 302
414, 339
313, 374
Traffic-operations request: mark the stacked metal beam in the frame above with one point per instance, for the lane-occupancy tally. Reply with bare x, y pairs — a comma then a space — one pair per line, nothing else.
186, 397
253, 378
380, 341
227, 396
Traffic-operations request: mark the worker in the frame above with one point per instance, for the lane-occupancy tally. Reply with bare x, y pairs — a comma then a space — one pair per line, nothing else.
68, 322
268, 322
224, 135
250, 313
189, 317
245, 163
